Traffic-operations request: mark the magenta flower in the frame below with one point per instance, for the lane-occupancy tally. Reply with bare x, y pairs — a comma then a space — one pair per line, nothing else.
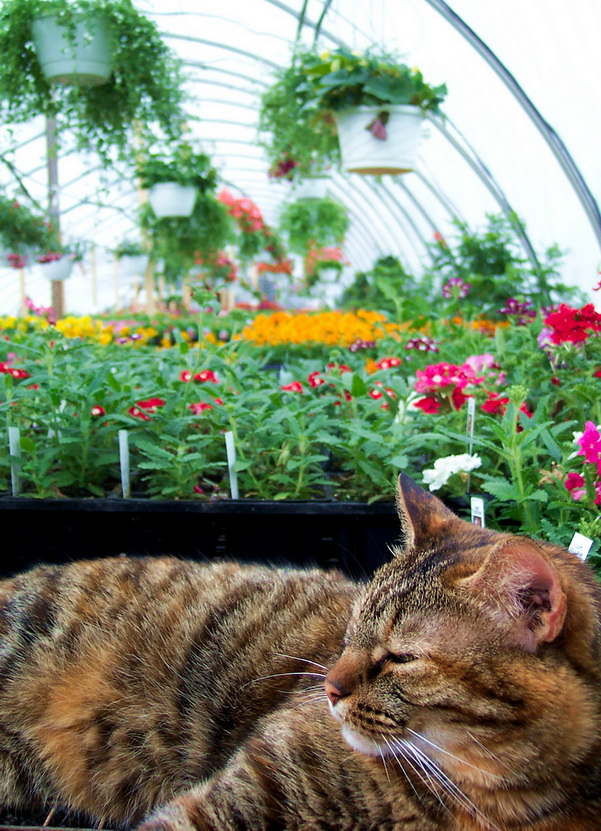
455, 287
590, 445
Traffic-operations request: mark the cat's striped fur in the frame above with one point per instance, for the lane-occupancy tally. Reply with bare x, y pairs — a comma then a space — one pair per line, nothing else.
463, 689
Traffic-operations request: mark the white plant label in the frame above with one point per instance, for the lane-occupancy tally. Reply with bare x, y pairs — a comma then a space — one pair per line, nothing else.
580, 545
477, 508
230, 449
14, 448
124, 463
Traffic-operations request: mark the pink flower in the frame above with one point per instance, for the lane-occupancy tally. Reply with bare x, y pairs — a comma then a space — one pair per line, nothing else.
294, 386
199, 406
590, 444
436, 377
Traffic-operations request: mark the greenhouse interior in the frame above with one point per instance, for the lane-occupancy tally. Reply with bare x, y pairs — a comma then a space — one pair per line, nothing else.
300, 380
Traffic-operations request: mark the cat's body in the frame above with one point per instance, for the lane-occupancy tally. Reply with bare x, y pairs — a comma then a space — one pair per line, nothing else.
463, 689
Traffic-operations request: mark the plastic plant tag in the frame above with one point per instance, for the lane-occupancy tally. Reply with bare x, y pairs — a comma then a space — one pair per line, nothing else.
580, 545
477, 509
124, 463
14, 448
230, 449
471, 416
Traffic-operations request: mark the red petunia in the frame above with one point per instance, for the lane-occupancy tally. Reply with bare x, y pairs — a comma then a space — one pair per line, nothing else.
97, 410
428, 404
206, 375
294, 386
314, 379
388, 363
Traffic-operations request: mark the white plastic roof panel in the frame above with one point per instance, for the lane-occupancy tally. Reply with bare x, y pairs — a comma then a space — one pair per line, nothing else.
524, 140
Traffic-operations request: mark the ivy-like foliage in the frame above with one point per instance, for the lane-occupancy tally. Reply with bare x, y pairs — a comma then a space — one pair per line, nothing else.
144, 88
313, 223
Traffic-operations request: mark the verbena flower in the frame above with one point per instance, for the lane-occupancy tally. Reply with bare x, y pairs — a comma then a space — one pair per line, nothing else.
455, 287
422, 344
447, 466
570, 325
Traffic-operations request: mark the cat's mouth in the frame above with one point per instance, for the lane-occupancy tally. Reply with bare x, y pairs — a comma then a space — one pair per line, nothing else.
359, 740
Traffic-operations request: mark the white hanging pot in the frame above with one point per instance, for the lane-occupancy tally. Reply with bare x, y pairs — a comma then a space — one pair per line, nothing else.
362, 152
85, 61
328, 275
58, 269
134, 265
314, 187
171, 199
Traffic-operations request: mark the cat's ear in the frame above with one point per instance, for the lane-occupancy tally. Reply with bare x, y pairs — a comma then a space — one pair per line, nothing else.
520, 585
423, 517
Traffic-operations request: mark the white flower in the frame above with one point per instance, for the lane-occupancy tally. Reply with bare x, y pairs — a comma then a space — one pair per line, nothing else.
444, 468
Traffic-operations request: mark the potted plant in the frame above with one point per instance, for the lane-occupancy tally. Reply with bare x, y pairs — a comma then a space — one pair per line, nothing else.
57, 263
22, 231
132, 257
174, 179
144, 86
179, 241
370, 97
313, 223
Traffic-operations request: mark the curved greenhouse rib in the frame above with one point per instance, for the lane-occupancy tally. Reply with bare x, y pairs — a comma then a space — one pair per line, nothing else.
557, 147
487, 179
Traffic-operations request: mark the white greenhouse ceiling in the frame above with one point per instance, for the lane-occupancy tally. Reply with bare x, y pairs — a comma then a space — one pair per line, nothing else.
519, 128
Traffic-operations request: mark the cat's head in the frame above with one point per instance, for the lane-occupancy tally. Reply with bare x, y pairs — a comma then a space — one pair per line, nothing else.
474, 648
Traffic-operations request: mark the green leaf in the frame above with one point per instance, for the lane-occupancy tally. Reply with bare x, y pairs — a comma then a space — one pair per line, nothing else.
28, 445
501, 488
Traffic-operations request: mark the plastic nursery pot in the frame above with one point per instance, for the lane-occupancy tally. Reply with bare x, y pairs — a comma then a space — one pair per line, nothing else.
171, 199
58, 269
134, 265
362, 152
313, 187
350, 536
84, 62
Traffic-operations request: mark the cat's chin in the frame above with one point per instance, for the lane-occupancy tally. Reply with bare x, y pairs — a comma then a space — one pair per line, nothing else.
363, 744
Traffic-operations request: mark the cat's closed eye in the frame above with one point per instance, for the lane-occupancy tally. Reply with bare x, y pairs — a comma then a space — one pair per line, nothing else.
400, 658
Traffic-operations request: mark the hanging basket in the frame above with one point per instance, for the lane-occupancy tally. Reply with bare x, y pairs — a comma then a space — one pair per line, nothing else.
84, 62
363, 153
171, 199
314, 187
328, 275
58, 269
134, 265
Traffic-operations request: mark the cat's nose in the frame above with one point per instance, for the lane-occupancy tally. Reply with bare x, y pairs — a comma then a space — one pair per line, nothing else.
333, 692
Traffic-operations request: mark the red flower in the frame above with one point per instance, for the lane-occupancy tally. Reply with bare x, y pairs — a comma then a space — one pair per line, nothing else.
573, 480
97, 410
218, 401
388, 363
495, 404
314, 379
185, 375
428, 404
294, 386
597, 373
340, 367
570, 325
206, 375
198, 407
137, 413
17, 373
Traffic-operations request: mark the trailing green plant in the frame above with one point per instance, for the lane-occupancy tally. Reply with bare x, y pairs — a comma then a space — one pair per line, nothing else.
22, 228
313, 222
179, 241
127, 248
181, 164
145, 87
297, 111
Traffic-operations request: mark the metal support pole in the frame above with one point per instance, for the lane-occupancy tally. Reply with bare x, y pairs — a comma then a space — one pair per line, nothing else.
58, 291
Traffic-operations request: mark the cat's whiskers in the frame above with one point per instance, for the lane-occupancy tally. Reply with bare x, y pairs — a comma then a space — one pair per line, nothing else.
304, 660
399, 750
282, 675
489, 752
453, 790
381, 752
452, 755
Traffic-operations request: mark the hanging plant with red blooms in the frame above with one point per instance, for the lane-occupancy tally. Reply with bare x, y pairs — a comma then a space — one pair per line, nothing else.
218, 267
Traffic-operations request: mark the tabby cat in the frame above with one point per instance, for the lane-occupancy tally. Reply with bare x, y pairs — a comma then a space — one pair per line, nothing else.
459, 689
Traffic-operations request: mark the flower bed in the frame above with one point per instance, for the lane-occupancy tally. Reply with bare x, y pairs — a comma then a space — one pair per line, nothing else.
325, 406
